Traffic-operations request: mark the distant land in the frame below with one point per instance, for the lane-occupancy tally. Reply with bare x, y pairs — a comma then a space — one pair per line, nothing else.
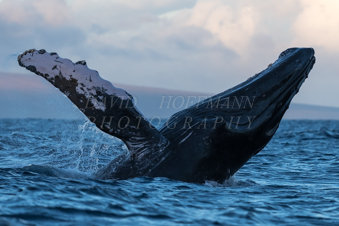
29, 96
163, 102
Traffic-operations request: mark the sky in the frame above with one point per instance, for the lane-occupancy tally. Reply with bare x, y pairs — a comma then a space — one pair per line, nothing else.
193, 45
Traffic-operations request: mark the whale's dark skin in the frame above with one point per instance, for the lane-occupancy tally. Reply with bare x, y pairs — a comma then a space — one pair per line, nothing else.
211, 140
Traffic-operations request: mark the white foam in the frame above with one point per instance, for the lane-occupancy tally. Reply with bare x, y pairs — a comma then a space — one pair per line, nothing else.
227, 183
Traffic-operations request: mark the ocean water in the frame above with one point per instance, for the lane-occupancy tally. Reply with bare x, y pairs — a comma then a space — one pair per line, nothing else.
47, 167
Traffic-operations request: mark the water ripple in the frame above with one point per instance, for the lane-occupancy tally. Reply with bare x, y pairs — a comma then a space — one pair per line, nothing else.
48, 168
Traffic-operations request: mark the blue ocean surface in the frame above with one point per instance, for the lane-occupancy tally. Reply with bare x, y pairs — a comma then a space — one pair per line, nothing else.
47, 178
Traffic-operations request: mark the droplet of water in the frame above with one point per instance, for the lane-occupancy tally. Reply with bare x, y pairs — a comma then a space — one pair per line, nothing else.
10, 61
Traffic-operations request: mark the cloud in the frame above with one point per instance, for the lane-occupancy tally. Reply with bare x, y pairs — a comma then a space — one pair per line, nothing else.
233, 26
51, 13
197, 45
13, 12
318, 24
54, 12
157, 7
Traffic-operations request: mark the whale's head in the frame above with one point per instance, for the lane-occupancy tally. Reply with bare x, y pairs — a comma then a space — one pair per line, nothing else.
231, 127
269, 93
261, 103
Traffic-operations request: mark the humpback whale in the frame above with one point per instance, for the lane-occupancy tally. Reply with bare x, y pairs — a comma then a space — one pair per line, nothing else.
210, 140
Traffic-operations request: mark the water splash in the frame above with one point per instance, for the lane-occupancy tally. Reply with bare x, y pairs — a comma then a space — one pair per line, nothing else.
96, 146
227, 183
291, 182
55, 172
10, 61
331, 133
87, 160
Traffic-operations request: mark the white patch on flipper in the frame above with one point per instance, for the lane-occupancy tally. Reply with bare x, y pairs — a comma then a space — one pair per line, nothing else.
52, 65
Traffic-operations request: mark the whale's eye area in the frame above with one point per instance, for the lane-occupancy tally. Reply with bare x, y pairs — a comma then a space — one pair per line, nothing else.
287, 52
82, 62
42, 51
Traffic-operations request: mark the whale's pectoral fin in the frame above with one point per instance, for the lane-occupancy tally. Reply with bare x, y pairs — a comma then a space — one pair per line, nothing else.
110, 108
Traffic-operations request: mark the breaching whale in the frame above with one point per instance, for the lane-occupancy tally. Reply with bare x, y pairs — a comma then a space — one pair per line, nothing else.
210, 140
